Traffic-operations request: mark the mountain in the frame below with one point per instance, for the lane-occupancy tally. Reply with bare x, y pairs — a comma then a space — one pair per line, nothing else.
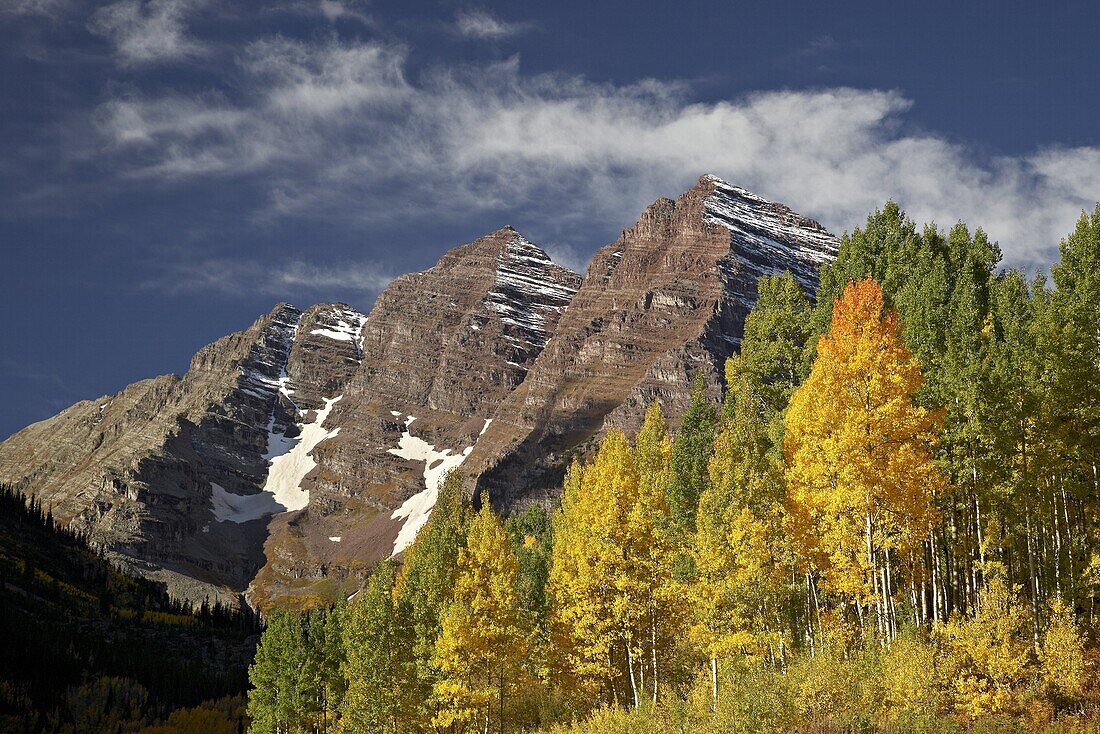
293, 455
665, 302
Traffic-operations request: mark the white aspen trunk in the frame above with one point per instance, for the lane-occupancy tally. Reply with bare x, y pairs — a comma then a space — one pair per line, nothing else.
817, 606
1034, 577
1057, 541
978, 527
916, 606
873, 569
630, 668
935, 576
653, 649
714, 683
1069, 530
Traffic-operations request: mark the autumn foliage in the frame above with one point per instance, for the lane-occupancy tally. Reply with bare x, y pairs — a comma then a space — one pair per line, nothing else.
861, 473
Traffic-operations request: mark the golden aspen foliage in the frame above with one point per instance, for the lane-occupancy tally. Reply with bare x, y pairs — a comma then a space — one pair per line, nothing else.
740, 553
600, 577
860, 464
990, 653
484, 646
911, 690
1062, 654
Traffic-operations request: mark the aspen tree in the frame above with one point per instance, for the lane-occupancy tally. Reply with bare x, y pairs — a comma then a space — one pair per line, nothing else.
483, 647
861, 468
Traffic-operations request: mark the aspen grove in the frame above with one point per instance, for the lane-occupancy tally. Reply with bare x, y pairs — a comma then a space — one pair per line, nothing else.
890, 522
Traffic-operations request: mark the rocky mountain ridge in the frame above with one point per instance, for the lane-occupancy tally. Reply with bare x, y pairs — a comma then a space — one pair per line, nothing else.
293, 455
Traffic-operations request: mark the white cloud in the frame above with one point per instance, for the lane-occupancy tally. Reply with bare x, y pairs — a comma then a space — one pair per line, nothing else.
474, 23
337, 130
334, 10
231, 277
145, 31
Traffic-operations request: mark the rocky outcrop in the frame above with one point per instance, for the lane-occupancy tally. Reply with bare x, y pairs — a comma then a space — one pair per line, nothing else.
295, 454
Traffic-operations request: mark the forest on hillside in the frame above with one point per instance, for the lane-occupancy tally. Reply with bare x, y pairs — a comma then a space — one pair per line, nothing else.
889, 524
88, 648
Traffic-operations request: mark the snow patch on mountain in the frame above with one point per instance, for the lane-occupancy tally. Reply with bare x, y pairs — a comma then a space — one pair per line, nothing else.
284, 477
289, 461
414, 512
238, 508
342, 324
263, 375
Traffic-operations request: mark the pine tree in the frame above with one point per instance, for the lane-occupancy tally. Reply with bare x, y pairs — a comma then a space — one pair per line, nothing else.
533, 537
777, 345
861, 471
485, 642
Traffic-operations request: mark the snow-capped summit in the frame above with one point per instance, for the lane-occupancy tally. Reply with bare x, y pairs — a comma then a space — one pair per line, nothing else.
530, 291
769, 237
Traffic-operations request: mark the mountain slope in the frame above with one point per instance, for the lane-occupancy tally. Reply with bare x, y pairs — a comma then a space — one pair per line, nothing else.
663, 303
441, 349
295, 454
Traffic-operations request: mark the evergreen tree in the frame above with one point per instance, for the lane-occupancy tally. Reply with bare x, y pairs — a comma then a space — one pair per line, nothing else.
533, 537
687, 472
777, 346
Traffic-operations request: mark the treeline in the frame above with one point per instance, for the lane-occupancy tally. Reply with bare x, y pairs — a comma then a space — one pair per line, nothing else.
890, 523
90, 648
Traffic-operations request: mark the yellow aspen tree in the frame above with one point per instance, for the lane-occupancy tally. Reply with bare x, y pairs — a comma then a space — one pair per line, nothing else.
1062, 654
575, 661
661, 617
739, 550
861, 471
991, 652
594, 584
483, 647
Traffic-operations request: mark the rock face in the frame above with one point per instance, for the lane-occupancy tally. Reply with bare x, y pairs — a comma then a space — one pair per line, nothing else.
295, 454
663, 303
440, 350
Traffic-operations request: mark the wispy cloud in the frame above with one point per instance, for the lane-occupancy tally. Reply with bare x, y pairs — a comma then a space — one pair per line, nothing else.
335, 10
145, 31
475, 23
40, 8
231, 277
819, 45
337, 130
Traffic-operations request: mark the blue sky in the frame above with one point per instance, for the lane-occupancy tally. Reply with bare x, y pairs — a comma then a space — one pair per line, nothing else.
170, 169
